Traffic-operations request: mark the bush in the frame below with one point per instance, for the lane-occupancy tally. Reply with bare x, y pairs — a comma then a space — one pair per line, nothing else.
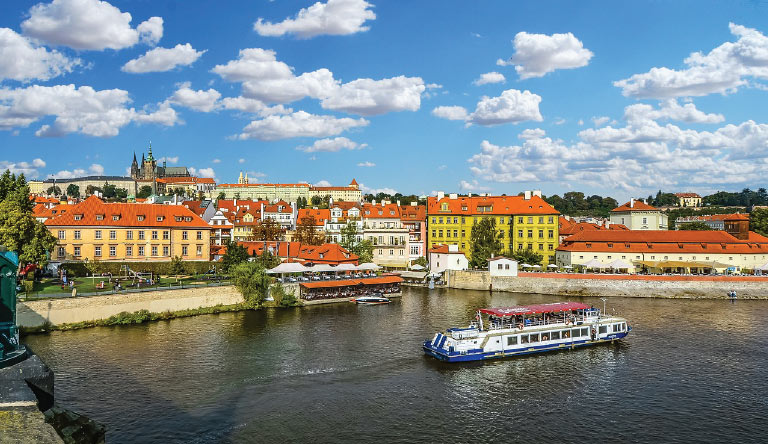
125, 318
283, 299
29, 286
78, 269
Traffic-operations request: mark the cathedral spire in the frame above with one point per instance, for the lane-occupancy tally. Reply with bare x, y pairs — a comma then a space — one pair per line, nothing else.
149, 156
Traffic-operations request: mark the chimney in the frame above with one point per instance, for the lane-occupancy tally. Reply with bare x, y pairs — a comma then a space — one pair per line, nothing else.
632, 202
607, 225
398, 202
469, 194
440, 195
414, 204
527, 195
453, 196
373, 202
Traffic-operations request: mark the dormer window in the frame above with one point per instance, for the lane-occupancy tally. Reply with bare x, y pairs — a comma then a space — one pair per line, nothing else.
115, 217
610, 245
187, 219
99, 217
78, 216
140, 217
178, 218
160, 218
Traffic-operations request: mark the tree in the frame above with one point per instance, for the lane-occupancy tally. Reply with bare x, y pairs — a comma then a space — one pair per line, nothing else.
421, 261
353, 242
177, 266
301, 203
221, 196
236, 254
281, 298
758, 221
90, 190
316, 200
54, 190
486, 242
252, 282
113, 192
19, 230
144, 192
73, 190
526, 256
267, 230
267, 260
307, 233
696, 226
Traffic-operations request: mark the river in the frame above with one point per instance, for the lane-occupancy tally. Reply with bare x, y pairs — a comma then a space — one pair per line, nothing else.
690, 371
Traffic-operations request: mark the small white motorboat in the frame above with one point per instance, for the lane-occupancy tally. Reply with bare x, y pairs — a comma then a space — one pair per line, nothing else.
373, 299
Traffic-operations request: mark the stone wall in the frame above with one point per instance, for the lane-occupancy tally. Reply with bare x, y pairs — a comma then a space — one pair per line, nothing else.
58, 311
630, 287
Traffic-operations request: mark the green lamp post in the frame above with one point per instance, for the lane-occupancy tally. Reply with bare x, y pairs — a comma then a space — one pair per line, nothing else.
11, 351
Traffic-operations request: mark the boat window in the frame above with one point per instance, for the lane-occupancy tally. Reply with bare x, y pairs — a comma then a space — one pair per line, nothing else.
623, 326
534, 338
576, 332
585, 331
545, 337
566, 334
554, 335
511, 340
523, 339
616, 327
603, 329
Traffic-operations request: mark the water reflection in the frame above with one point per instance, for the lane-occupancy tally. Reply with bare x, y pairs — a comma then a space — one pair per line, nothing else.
690, 369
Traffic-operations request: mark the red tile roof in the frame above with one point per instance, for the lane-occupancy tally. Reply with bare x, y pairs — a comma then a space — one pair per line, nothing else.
416, 213
321, 215
569, 227
388, 211
320, 254
496, 204
443, 249
386, 279
95, 212
638, 205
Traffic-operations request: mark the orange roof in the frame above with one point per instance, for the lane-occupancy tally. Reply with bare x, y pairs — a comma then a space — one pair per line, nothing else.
43, 199
569, 227
275, 207
318, 254
314, 188
712, 217
388, 211
346, 206
386, 279
687, 195
321, 215
443, 249
638, 205
94, 212
40, 210
736, 217
493, 204
413, 213
280, 185
354, 182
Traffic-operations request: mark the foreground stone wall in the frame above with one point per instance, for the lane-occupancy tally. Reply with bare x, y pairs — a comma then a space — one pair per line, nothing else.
630, 287
58, 311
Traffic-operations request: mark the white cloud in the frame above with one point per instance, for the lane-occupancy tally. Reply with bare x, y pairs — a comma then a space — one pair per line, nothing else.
370, 97
539, 54
21, 60
600, 121
83, 110
336, 17
442, 167
451, 112
172, 160
472, 186
366, 164
29, 170
151, 31
298, 124
163, 59
202, 172
87, 24
96, 169
512, 106
216, 161
559, 121
724, 70
253, 106
331, 145
670, 110
490, 77
93, 170
323, 183
204, 101
255, 176
385, 190
241, 160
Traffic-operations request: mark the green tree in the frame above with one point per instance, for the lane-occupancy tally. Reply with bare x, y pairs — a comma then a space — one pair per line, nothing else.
73, 190
236, 254
267, 230
267, 260
177, 266
316, 200
758, 221
486, 242
307, 233
90, 190
421, 261
54, 190
252, 282
353, 242
282, 298
113, 192
144, 192
221, 196
19, 230
696, 226
527, 256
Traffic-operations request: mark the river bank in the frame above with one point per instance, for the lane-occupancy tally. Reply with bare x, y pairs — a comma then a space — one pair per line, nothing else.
606, 285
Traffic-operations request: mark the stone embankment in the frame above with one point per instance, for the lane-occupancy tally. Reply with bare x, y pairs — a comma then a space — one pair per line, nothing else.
685, 287
58, 311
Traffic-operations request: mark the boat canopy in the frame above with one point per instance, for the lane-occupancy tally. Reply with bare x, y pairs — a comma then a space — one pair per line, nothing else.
533, 309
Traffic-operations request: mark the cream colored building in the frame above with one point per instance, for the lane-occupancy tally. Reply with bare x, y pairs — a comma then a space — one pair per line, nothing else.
83, 182
688, 199
289, 192
383, 226
637, 215
99, 231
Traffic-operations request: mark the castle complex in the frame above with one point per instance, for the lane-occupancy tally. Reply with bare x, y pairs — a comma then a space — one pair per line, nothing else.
149, 170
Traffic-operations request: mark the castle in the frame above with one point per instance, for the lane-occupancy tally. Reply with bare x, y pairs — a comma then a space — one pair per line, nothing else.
149, 170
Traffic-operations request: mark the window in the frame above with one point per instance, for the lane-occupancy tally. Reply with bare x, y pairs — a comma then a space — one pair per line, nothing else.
112, 234
447, 233
645, 220
519, 246
184, 235
154, 250
541, 246
530, 234
519, 220
112, 251
541, 219
455, 233
455, 220
129, 235
391, 252
199, 250
434, 220
551, 247
62, 235
77, 234
97, 251
141, 250
97, 234
523, 339
529, 246
129, 250
78, 216
615, 327
603, 329
551, 219
434, 233
77, 251
440, 233
199, 235
61, 252
541, 234
501, 220
511, 340
554, 335
154, 234
140, 218
440, 220
99, 217
500, 267
160, 218
566, 334
166, 251
533, 338
462, 245
141, 235
530, 220
115, 217
166, 235
462, 233
551, 234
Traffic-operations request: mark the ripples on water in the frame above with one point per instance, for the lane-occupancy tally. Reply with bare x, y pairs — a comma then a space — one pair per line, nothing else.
690, 371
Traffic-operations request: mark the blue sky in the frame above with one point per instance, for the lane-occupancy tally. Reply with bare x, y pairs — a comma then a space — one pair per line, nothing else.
613, 98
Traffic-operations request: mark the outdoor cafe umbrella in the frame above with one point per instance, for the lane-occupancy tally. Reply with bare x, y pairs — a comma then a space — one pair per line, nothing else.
525, 265
619, 264
594, 263
289, 267
417, 267
537, 266
368, 266
345, 267
552, 266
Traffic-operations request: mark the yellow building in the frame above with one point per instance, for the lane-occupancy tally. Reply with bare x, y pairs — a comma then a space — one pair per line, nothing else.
100, 231
688, 199
523, 222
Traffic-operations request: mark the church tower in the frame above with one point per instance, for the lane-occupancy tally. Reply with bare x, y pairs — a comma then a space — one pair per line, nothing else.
149, 166
134, 168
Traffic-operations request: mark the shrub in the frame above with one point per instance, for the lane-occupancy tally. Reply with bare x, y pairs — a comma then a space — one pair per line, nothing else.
78, 269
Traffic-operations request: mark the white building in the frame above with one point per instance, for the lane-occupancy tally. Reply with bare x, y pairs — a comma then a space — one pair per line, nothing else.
384, 228
502, 266
637, 215
447, 257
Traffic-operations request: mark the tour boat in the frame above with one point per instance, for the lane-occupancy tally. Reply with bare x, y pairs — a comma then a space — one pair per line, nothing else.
526, 329
373, 299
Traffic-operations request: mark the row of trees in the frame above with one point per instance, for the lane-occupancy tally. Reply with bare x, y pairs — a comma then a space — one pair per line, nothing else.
404, 199
487, 243
574, 203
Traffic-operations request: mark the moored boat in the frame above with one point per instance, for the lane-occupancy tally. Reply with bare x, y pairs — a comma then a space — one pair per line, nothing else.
374, 299
525, 329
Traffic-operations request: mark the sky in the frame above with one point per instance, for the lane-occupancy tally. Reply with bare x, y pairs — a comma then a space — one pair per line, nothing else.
613, 98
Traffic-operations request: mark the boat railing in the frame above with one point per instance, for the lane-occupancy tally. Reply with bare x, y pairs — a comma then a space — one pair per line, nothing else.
536, 322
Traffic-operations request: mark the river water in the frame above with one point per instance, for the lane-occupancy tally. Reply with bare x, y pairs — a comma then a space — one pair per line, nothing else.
690, 371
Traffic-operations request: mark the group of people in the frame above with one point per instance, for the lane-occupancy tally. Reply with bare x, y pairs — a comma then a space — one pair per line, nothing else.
348, 292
